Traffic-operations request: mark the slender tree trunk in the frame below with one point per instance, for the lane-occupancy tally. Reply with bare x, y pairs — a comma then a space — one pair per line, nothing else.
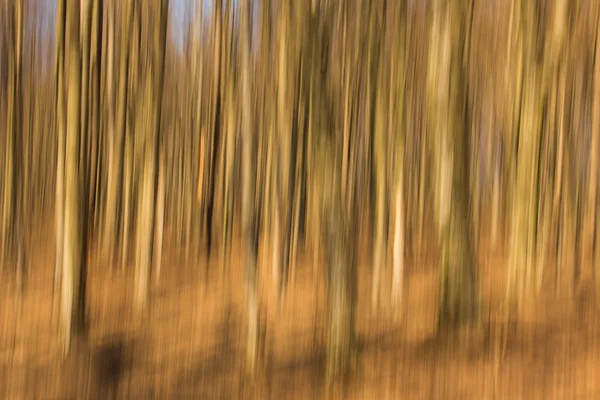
558, 196
341, 282
283, 198
198, 68
315, 213
127, 197
398, 252
229, 159
448, 107
523, 239
595, 149
380, 166
248, 195
398, 82
297, 181
116, 134
60, 116
152, 102
12, 147
421, 195
17, 157
214, 134
94, 107
130, 129
160, 215
495, 204
75, 240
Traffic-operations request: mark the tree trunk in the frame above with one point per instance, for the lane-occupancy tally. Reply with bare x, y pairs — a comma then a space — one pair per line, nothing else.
283, 198
229, 159
116, 137
75, 238
13, 161
397, 81
151, 103
17, 208
341, 267
127, 197
248, 195
595, 149
60, 117
160, 215
447, 116
398, 252
214, 133
380, 159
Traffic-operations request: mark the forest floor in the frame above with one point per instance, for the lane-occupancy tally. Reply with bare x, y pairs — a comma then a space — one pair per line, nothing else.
191, 344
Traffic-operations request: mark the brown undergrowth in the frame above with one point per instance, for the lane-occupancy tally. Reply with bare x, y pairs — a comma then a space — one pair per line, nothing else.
191, 345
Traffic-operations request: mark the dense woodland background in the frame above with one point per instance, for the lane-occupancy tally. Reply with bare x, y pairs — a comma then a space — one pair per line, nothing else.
351, 157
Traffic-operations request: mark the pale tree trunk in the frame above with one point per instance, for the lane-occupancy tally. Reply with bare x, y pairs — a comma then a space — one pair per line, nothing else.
284, 133
127, 194
380, 159
248, 195
13, 136
198, 132
60, 116
558, 196
94, 107
368, 78
188, 142
398, 251
512, 73
341, 282
187, 193
337, 208
15, 184
8, 189
105, 30
577, 137
594, 173
229, 139
296, 126
527, 174
314, 213
75, 239
160, 215
179, 181
582, 269
116, 134
151, 93
266, 119
24, 146
146, 198
589, 196
554, 70
495, 204
397, 81
476, 166
229, 119
353, 28
523, 247
201, 163
447, 117
130, 100
296, 185
421, 195
287, 52
544, 195
85, 31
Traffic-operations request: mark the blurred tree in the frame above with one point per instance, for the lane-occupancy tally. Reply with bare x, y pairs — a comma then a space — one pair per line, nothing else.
446, 93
